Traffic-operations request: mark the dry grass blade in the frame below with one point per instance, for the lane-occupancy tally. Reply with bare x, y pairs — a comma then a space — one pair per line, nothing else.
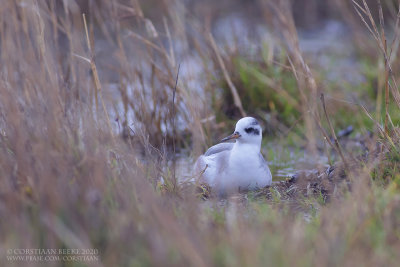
236, 98
171, 47
395, 42
81, 57
173, 123
161, 50
275, 86
382, 43
378, 126
337, 145
357, 7
383, 38
306, 83
96, 78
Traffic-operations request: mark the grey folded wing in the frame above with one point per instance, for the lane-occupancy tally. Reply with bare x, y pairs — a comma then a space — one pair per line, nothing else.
213, 163
264, 165
219, 148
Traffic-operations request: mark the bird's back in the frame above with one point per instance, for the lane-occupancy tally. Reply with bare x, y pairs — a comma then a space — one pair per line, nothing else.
218, 148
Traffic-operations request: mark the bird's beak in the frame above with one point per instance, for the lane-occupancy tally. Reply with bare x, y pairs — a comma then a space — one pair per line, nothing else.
233, 136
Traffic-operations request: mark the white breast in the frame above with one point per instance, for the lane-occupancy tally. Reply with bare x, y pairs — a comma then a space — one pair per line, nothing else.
246, 169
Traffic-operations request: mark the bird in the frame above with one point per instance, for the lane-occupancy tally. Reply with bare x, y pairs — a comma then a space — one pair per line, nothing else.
233, 167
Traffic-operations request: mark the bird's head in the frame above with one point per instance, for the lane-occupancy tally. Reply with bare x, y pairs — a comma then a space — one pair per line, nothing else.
247, 130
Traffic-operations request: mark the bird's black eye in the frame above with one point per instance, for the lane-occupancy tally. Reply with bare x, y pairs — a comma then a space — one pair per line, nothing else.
251, 130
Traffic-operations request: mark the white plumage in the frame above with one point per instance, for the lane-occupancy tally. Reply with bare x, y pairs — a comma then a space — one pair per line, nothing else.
230, 167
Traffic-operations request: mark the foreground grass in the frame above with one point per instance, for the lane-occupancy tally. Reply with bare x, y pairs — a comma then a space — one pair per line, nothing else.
75, 174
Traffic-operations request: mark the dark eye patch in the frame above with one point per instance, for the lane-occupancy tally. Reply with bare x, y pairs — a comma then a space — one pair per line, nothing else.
251, 130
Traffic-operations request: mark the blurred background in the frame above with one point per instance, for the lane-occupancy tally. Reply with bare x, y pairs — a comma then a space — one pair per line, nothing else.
258, 43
